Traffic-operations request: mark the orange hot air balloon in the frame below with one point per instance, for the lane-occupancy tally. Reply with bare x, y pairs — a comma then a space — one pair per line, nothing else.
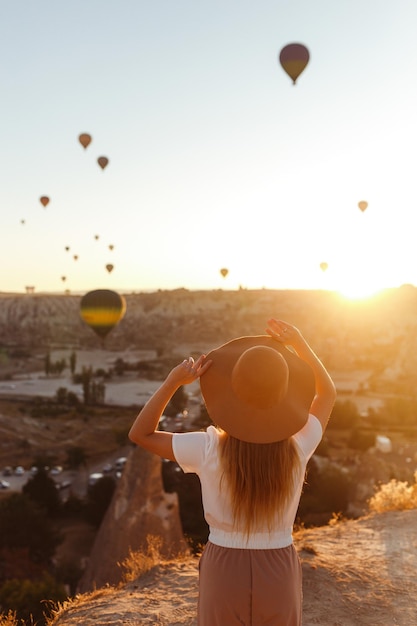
44, 200
294, 58
85, 140
224, 272
109, 267
103, 162
363, 205
75, 257
102, 309
324, 266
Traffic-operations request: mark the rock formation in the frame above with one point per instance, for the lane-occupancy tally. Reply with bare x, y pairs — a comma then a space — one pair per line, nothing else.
140, 508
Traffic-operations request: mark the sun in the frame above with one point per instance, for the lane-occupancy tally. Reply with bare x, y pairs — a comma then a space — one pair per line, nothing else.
359, 291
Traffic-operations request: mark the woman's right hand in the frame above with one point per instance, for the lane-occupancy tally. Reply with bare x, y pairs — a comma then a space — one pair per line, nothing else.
188, 370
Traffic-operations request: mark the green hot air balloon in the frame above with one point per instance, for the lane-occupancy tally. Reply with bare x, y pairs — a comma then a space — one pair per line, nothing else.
102, 310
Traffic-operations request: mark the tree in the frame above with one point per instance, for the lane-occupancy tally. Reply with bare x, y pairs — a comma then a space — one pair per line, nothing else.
27, 597
73, 362
99, 497
326, 491
86, 376
76, 456
42, 490
345, 415
119, 367
97, 392
25, 525
47, 363
178, 402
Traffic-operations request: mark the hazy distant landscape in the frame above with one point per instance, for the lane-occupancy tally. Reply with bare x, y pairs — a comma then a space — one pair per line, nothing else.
369, 346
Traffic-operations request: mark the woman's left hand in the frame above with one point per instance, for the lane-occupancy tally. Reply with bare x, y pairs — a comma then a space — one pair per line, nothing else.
283, 332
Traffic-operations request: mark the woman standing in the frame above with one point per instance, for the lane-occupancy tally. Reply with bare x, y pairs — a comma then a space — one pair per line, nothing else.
270, 398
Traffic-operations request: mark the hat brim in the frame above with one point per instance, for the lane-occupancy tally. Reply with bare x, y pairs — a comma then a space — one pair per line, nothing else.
244, 422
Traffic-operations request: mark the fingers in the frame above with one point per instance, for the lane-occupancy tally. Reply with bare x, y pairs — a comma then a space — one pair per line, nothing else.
279, 330
196, 368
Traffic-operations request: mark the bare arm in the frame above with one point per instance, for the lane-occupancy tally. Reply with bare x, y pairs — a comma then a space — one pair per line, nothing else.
325, 396
144, 430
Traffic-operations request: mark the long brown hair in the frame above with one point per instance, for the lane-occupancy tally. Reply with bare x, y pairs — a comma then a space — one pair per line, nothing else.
260, 478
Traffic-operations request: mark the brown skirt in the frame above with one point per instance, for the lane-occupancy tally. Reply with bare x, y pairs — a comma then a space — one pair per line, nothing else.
249, 587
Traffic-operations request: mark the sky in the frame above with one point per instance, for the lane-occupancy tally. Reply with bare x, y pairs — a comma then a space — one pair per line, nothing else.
216, 160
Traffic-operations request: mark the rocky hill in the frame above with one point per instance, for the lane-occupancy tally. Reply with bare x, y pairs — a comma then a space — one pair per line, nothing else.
356, 573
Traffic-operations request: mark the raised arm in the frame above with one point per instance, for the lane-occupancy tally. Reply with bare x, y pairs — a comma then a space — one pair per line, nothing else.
144, 429
325, 397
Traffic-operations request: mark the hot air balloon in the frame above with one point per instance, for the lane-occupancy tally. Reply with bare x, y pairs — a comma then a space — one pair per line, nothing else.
22, 221
96, 237
102, 309
75, 257
67, 248
224, 272
363, 205
63, 278
103, 162
109, 267
111, 246
44, 200
84, 139
324, 266
294, 58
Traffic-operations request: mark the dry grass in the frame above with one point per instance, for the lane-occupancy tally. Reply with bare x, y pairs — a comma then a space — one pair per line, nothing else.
394, 496
63, 608
135, 565
138, 563
9, 619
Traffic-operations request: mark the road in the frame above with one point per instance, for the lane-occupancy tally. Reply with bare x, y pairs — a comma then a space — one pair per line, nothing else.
76, 480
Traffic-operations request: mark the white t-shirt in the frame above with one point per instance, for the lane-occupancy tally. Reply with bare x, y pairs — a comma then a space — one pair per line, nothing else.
197, 452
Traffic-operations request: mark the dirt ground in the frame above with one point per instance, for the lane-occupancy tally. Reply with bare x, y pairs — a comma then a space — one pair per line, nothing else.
356, 573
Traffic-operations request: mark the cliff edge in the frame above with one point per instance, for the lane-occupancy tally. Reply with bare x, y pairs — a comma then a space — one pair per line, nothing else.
356, 573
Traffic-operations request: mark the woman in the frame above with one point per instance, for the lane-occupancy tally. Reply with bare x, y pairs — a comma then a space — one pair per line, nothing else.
270, 398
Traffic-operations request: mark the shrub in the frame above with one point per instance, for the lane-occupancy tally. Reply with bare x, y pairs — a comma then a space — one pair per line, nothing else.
345, 415
27, 597
361, 440
394, 496
326, 491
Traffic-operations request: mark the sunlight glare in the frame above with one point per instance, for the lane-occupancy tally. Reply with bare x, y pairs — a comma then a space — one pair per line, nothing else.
359, 291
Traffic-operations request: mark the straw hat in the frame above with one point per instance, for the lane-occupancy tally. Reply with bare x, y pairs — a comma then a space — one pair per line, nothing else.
257, 390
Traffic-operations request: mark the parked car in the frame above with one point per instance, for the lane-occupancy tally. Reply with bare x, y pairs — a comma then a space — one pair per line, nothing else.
93, 478
120, 464
8, 471
4, 484
64, 485
19, 470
